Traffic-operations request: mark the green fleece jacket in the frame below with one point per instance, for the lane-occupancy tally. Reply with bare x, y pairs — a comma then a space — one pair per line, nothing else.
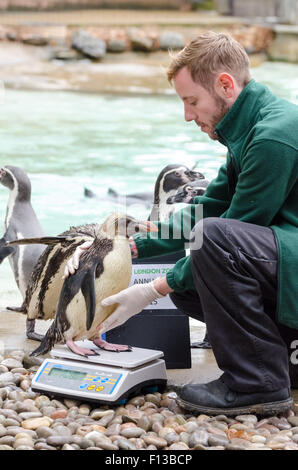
257, 184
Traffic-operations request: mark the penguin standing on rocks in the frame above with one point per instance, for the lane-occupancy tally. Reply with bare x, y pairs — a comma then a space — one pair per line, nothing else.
104, 270
20, 222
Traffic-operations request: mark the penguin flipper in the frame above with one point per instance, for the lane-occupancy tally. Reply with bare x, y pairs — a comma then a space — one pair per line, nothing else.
38, 241
83, 279
88, 291
5, 250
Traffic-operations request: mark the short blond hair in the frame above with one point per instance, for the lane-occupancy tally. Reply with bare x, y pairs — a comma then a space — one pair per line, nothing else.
210, 54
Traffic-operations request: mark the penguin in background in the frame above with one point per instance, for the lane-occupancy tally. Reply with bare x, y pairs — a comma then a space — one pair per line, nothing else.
169, 181
104, 270
20, 222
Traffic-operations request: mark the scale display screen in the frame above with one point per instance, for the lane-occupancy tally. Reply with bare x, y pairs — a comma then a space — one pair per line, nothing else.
67, 373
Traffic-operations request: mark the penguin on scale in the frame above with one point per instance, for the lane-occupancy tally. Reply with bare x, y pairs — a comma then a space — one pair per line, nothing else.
104, 270
20, 222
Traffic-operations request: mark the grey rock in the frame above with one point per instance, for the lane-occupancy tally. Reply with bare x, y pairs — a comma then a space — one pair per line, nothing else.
293, 420
113, 429
132, 432
86, 443
44, 431
116, 45
14, 430
43, 446
47, 410
171, 40
30, 361
144, 423
139, 42
11, 363
7, 378
238, 444
198, 437
62, 431
58, 441
29, 414
125, 444
88, 45
10, 422
7, 440
217, 440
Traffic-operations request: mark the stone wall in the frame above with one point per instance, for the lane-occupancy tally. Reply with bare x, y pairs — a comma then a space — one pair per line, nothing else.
65, 4
285, 11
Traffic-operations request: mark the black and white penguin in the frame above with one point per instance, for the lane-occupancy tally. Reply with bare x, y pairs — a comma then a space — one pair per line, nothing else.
104, 270
170, 179
20, 222
189, 191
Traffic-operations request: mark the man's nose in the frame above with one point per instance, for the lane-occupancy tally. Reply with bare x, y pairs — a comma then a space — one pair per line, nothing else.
189, 114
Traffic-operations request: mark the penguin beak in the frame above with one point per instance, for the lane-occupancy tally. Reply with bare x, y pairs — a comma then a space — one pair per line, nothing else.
147, 226
2, 173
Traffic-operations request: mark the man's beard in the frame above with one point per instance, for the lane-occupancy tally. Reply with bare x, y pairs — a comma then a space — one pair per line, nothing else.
223, 108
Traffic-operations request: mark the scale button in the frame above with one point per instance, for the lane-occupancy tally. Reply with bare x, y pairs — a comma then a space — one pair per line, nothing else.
99, 389
91, 387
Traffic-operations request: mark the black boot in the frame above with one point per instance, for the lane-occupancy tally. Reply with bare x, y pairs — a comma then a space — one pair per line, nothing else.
216, 398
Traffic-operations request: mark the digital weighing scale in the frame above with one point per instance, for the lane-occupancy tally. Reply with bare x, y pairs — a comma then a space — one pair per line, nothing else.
108, 378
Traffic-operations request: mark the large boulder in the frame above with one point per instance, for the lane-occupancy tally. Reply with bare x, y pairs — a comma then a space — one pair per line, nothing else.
171, 40
142, 41
92, 47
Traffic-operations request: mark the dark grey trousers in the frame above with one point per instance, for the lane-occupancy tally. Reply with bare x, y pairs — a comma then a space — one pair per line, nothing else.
235, 275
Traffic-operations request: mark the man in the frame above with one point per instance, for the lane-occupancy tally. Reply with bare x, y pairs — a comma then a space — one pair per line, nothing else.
242, 281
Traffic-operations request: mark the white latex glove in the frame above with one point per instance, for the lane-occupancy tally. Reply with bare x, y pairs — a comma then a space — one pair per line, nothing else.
73, 263
131, 301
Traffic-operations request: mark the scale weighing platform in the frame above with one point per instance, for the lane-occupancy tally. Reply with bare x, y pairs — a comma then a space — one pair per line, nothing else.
108, 378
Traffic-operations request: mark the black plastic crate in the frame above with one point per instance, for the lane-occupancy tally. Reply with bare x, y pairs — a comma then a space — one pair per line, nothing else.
163, 327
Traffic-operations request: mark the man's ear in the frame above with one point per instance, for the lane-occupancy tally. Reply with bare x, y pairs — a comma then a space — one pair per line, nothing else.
225, 85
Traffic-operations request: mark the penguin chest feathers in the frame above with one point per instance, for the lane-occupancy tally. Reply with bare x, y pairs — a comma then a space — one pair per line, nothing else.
116, 275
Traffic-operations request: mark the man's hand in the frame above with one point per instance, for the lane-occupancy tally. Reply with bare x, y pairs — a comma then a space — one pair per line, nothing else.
73, 263
131, 301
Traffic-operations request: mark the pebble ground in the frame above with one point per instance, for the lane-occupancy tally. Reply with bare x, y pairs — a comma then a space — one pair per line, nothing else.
30, 421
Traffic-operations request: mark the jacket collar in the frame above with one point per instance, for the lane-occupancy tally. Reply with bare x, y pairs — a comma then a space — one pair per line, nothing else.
242, 116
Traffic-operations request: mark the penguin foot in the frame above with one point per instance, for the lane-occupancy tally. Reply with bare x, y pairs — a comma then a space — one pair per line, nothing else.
17, 309
35, 336
30, 333
101, 343
81, 351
